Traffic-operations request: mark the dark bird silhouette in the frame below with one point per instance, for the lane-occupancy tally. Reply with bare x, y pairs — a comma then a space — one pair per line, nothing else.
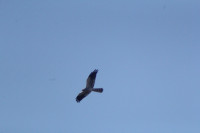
89, 86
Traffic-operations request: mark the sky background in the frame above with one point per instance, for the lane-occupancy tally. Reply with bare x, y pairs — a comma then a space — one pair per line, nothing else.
147, 53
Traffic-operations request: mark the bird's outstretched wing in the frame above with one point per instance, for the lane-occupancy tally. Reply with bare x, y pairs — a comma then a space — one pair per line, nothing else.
82, 95
91, 79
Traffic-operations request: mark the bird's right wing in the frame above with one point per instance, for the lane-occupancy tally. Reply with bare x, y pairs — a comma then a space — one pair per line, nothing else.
82, 95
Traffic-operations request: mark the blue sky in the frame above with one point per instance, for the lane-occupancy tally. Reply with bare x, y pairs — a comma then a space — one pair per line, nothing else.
147, 53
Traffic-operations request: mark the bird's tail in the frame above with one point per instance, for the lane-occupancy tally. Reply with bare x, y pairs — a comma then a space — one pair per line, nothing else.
100, 90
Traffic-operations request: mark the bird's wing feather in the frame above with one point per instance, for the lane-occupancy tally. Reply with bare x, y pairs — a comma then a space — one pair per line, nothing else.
82, 95
91, 79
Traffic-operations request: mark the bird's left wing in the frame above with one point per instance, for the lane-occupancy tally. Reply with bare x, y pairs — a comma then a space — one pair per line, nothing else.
91, 79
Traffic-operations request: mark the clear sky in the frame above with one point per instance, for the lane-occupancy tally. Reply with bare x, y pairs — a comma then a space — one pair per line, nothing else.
147, 53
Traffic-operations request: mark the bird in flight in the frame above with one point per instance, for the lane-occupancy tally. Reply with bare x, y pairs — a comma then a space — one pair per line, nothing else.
89, 86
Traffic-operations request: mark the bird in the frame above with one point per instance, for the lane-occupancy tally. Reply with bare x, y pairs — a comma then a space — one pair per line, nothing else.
89, 86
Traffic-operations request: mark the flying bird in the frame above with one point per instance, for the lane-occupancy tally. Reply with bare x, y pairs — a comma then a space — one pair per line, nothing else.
89, 86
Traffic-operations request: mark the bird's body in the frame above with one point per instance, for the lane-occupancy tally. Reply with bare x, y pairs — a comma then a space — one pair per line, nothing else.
89, 86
